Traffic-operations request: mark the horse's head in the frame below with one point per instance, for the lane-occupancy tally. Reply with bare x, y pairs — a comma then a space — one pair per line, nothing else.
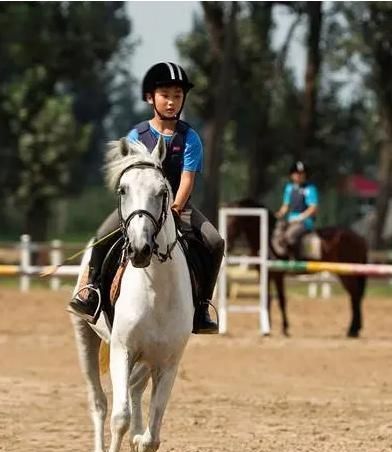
144, 195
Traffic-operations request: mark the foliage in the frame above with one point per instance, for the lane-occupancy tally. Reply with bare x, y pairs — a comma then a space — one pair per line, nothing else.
262, 136
63, 64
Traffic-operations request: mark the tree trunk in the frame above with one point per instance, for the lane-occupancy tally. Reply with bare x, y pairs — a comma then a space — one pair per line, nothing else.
222, 37
380, 42
37, 220
384, 92
259, 157
308, 115
36, 225
382, 203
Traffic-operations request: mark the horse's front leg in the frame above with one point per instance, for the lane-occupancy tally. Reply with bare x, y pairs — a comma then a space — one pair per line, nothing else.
120, 369
162, 384
88, 349
138, 382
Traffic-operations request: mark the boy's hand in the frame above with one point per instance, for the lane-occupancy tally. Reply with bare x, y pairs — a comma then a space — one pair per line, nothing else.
175, 208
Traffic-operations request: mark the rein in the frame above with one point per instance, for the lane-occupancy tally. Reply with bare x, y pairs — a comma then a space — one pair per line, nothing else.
124, 223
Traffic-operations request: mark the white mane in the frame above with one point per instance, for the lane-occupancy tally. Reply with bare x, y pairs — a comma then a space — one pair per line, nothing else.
116, 162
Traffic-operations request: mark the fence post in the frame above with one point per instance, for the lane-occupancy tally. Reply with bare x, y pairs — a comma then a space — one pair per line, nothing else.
263, 252
312, 289
25, 262
222, 281
325, 286
55, 259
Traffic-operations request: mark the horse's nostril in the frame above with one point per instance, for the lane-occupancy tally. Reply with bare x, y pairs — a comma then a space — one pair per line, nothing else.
146, 250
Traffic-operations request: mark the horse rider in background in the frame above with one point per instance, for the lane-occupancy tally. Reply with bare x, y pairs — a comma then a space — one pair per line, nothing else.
297, 213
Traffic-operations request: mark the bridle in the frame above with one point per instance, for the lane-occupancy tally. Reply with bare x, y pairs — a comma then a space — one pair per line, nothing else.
157, 223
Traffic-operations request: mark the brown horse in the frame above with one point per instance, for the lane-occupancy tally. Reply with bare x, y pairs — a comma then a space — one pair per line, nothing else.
338, 244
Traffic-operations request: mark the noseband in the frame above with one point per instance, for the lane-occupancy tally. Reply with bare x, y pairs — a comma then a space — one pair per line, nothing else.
162, 257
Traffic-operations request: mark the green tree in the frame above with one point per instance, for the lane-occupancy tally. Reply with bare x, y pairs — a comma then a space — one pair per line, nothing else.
61, 65
363, 40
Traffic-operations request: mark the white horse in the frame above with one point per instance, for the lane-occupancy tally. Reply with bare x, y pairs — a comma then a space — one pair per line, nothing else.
154, 311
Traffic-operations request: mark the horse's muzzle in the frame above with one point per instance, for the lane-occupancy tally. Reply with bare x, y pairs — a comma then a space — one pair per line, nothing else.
141, 258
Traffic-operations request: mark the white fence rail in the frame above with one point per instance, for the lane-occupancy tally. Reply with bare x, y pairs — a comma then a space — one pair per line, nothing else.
25, 270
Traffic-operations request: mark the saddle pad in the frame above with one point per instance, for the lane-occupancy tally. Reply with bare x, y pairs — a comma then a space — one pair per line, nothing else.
311, 247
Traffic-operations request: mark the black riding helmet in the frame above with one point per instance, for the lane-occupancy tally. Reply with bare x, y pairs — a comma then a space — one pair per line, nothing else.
299, 167
165, 74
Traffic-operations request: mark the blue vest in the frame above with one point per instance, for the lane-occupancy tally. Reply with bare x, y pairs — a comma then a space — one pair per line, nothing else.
297, 199
174, 161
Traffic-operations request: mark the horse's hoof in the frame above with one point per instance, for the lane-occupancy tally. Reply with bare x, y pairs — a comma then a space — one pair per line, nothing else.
353, 334
140, 446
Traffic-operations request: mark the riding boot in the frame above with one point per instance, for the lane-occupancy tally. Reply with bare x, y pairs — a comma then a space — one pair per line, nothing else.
202, 323
86, 304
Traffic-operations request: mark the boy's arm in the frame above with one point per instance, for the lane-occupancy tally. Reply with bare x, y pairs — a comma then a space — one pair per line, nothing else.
284, 208
282, 211
184, 190
312, 201
309, 212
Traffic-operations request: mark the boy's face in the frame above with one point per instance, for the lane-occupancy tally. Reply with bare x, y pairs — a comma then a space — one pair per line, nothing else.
298, 177
168, 100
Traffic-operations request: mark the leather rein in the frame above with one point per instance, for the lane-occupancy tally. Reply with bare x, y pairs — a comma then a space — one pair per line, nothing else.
157, 223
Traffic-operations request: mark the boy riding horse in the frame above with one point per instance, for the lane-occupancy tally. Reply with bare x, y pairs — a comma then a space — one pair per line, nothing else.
165, 87
299, 208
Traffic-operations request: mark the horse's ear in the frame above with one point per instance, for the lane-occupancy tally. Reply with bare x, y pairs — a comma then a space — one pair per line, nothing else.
159, 152
124, 147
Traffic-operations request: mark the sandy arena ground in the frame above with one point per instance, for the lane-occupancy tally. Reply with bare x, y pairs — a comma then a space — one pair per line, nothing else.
316, 391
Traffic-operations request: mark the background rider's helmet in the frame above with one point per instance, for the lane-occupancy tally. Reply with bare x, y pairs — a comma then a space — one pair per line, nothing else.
165, 74
299, 167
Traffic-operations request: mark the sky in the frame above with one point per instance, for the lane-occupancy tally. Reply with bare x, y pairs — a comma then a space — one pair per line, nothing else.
157, 25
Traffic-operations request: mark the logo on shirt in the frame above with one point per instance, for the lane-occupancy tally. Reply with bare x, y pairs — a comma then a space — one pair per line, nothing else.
176, 148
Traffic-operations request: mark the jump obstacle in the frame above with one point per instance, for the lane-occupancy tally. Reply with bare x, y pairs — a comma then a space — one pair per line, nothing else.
25, 270
274, 265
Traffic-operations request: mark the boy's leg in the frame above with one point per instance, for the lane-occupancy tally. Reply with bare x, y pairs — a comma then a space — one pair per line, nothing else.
86, 307
215, 245
278, 240
293, 234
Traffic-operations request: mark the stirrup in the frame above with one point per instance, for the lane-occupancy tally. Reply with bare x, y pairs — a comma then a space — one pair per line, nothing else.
196, 326
215, 310
92, 319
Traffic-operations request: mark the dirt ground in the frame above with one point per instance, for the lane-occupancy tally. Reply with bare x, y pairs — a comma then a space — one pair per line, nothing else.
315, 391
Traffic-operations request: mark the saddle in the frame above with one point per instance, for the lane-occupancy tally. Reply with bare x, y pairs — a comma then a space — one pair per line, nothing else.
197, 258
309, 246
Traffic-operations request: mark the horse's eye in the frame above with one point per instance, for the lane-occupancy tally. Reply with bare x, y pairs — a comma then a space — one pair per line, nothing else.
121, 191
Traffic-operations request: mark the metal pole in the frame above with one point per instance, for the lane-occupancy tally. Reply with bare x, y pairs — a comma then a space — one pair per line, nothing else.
25, 262
55, 259
264, 314
222, 282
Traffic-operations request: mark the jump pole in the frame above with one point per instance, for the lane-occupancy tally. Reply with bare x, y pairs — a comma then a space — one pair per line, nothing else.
339, 268
261, 260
